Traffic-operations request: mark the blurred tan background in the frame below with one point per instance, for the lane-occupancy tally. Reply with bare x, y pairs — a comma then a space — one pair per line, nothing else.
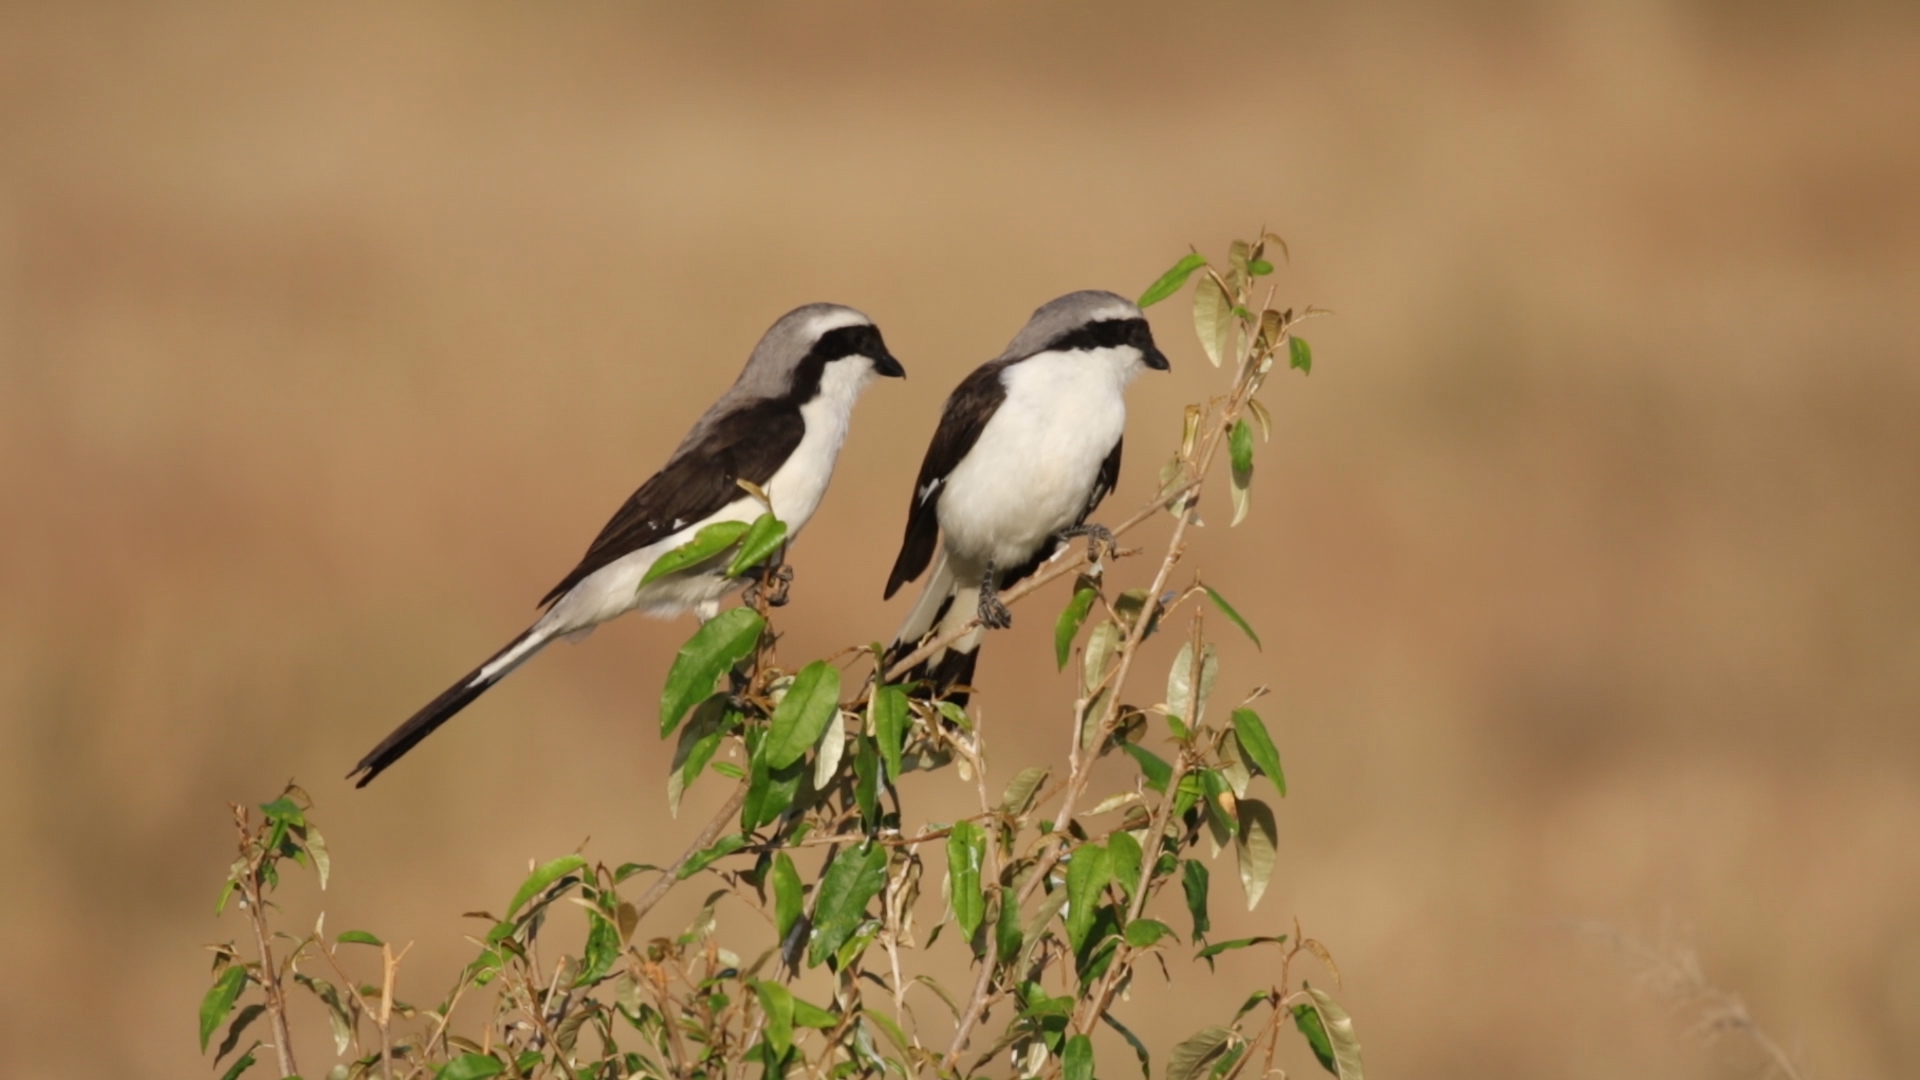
1587, 560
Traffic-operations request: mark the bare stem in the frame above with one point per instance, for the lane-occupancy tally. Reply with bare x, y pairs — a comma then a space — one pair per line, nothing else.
1110, 982
701, 842
270, 985
983, 983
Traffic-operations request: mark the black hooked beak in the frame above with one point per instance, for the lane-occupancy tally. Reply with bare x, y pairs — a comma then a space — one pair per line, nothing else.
1154, 358
885, 364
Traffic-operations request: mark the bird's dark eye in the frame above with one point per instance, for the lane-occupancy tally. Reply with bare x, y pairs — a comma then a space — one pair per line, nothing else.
1107, 334
838, 344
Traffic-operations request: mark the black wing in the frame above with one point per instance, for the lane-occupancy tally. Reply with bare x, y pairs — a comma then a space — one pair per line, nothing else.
1104, 483
968, 409
699, 481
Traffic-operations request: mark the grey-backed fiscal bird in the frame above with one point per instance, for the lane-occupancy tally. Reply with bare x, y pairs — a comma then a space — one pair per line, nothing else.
1028, 445
780, 426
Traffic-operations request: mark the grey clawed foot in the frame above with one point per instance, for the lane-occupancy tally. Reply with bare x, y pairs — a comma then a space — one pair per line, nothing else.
1099, 539
993, 614
776, 592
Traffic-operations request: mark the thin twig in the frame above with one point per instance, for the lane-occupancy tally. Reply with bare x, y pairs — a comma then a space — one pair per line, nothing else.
983, 984
1157, 828
1673, 971
701, 842
270, 985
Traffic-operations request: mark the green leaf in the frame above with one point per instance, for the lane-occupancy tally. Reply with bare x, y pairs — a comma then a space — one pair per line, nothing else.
1101, 645
1156, 770
358, 937
316, 846
538, 881
1337, 1028
828, 752
1240, 450
471, 1067
1308, 1021
812, 700
1232, 615
699, 740
1220, 799
338, 1017
866, 780
966, 849
941, 992
241, 1064
1219, 947
1139, 1048
705, 544
1212, 318
856, 945
1190, 1059
1170, 282
219, 1001
1300, 354
1260, 268
856, 876
888, 1028
1145, 933
1043, 914
721, 848
1258, 745
1068, 626
238, 1028
1007, 926
1124, 855
1088, 872
890, 721
284, 811
769, 791
1182, 702
1193, 881
807, 1014
1233, 765
723, 641
789, 896
1078, 1058
602, 949
1190, 792
777, 1002
762, 539
1255, 843
1019, 795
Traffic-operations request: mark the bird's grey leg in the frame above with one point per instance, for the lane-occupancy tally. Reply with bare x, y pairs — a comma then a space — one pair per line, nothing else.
781, 580
1098, 536
993, 614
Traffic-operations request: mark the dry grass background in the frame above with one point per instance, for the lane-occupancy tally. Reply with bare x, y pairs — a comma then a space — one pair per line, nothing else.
1586, 559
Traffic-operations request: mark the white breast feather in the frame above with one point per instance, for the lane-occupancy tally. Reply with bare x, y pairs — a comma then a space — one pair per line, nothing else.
1035, 463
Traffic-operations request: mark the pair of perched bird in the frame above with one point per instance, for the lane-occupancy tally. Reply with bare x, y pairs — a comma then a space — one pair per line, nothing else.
1027, 446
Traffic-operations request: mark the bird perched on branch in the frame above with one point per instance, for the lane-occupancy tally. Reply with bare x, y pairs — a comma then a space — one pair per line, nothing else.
1027, 446
779, 427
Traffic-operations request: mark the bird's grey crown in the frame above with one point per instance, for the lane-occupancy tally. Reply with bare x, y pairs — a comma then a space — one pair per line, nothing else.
769, 371
1065, 314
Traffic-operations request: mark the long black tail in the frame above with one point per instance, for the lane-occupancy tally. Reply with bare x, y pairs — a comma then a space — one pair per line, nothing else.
441, 709
946, 674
